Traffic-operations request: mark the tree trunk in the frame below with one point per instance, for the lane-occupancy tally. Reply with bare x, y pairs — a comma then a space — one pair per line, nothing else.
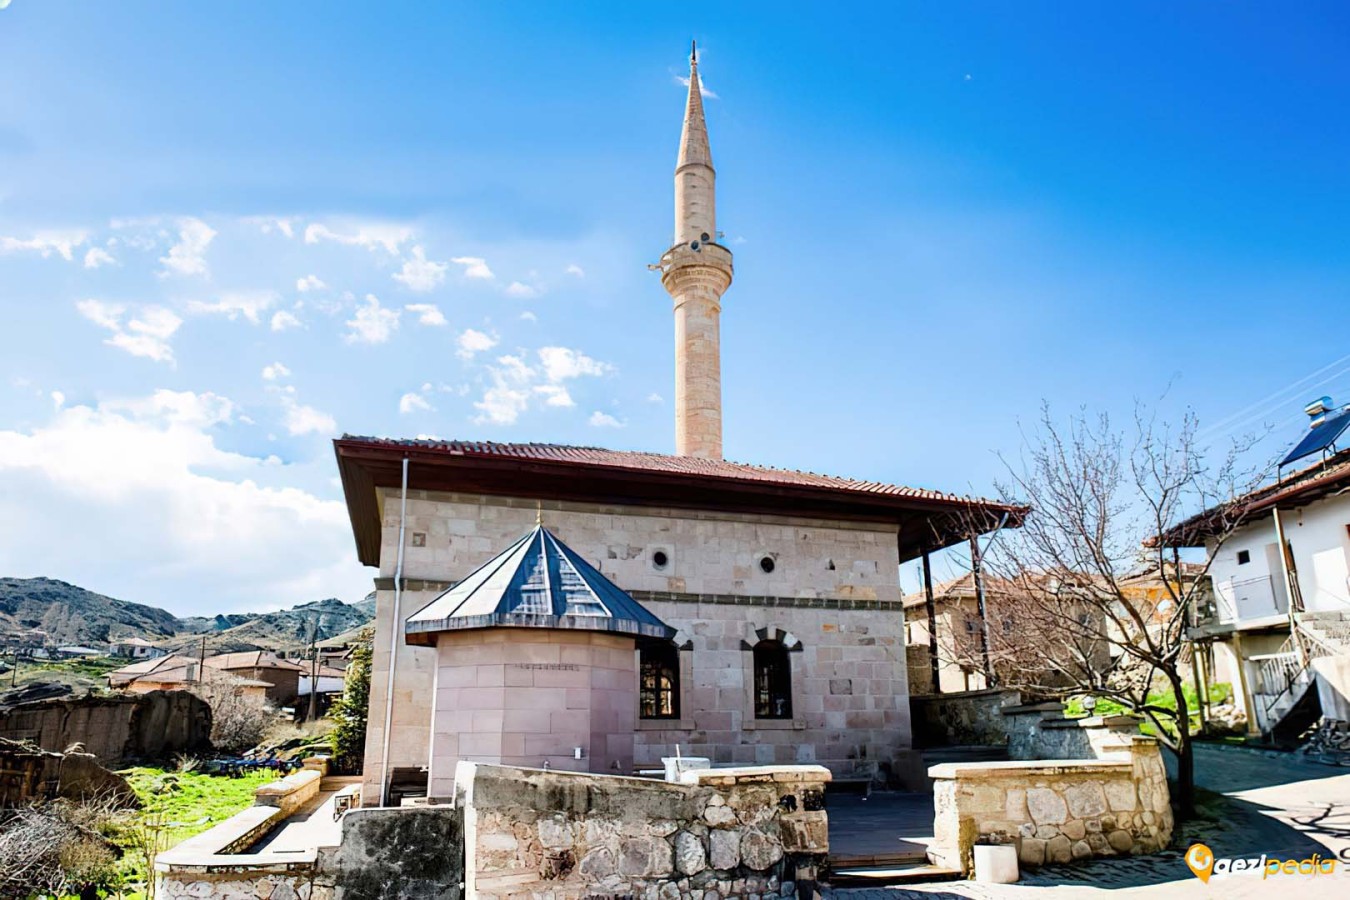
1185, 796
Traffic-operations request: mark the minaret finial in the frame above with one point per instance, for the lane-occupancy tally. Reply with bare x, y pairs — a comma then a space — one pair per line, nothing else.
693, 54
539, 512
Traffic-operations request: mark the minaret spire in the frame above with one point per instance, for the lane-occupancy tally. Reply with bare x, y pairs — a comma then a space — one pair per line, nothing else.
696, 271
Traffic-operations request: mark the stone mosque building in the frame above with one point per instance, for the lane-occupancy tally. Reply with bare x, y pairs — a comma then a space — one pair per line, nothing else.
587, 609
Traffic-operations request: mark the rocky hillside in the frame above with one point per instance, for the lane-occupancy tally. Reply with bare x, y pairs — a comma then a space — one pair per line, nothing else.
73, 615
282, 630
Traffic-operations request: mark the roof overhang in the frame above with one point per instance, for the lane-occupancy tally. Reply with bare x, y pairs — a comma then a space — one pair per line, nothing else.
923, 523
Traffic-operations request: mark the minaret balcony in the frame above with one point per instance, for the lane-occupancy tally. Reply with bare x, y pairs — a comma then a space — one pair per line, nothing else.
696, 254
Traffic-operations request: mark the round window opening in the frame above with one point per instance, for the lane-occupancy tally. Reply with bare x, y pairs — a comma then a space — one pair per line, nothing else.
659, 559
766, 564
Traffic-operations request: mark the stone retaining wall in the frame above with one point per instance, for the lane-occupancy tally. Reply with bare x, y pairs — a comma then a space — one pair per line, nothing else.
1057, 810
744, 832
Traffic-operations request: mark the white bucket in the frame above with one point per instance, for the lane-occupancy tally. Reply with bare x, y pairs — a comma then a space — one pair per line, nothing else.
996, 863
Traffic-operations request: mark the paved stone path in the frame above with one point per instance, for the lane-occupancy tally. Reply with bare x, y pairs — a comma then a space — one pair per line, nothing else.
1285, 808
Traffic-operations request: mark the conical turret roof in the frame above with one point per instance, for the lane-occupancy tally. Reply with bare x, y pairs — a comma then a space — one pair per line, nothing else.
694, 149
537, 582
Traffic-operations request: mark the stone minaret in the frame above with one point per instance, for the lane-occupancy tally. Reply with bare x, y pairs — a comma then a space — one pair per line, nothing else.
696, 271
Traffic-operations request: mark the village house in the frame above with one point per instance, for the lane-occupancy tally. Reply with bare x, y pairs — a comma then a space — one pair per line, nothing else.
280, 675
1277, 624
135, 648
736, 612
179, 673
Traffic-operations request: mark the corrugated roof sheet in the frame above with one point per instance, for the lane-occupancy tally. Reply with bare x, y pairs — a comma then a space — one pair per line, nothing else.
660, 462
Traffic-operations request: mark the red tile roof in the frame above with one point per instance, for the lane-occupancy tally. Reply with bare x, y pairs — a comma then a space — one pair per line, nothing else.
638, 460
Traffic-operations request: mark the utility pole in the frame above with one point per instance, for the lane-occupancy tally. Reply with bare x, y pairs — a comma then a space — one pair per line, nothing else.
201, 662
314, 671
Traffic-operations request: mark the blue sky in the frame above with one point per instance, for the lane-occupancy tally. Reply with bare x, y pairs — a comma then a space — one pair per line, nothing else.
942, 214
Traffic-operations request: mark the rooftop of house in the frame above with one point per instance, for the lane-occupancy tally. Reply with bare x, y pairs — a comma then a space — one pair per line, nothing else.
1307, 485
251, 659
926, 519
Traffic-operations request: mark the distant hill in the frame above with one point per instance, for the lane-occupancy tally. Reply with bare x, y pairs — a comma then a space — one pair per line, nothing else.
73, 615
282, 630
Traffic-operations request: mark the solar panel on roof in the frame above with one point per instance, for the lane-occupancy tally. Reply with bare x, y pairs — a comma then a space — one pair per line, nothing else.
1320, 437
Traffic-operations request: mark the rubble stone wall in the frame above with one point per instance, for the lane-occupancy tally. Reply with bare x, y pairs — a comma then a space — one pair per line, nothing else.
1057, 810
967, 718
720, 833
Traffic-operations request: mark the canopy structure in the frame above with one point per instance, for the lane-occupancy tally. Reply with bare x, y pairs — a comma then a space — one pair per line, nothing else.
537, 582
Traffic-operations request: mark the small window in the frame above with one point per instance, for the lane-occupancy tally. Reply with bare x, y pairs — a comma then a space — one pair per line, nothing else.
1244, 557
766, 564
659, 688
660, 560
970, 625
773, 681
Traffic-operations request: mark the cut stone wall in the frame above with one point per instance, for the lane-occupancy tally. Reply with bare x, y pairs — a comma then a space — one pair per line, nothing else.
721, 833
1055, 811
834, 588
528, 697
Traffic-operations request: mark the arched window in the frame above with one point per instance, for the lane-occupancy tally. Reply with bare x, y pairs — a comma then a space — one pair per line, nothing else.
773, 681
659, 681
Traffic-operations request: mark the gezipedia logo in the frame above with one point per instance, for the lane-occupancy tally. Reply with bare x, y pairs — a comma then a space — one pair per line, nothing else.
1200, 859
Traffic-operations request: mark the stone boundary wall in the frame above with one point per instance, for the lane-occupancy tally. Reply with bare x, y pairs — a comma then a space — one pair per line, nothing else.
1054, 811
532, 833
964, 719
115, 729
290, 793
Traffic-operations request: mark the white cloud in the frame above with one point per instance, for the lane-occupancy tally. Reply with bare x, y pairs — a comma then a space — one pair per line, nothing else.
145, 482
473, 341
474, 267
309, 283
373, 323
702, 87
427, 313
421, 274
58, 399
574, 269
561, 363
188, 256
269, 224
145, 334
45, 243
233, 304
306, 419
514, 382
281, 320
274, 371
372, 235
604, 420
521, 290
410, 403
528, 316
655, 398
97, 257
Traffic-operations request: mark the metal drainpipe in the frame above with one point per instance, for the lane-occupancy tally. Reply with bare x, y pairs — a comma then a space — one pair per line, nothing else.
393, 639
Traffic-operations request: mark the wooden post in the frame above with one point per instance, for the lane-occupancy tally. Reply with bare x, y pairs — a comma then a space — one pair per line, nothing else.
930, 607
989, 679
1248, 702
1295, 596
1197, 654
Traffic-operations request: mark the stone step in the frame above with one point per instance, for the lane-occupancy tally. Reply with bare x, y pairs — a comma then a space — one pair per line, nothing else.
915, 873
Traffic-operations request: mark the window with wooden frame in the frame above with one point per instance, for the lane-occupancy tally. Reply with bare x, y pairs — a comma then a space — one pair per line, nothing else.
773, 681
659, 681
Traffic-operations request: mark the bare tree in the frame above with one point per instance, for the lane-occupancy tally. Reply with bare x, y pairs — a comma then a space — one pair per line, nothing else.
1092, 594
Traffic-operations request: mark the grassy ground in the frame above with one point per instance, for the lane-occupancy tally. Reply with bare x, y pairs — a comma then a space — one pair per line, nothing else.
1218, 693
81, 674
179, 805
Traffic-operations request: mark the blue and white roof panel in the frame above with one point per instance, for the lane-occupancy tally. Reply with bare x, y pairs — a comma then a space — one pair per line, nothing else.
537, 582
